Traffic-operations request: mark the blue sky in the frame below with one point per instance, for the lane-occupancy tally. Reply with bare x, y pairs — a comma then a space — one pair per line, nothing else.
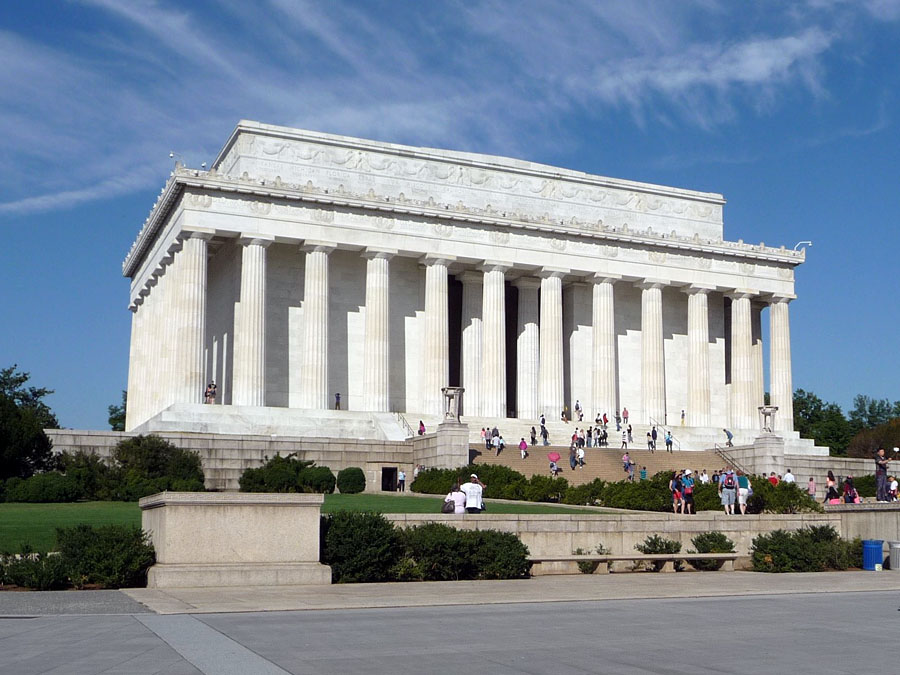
788, 109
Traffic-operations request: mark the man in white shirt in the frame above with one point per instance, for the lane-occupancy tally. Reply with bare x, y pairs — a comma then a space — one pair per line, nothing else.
788, 477
473, 491
704, 477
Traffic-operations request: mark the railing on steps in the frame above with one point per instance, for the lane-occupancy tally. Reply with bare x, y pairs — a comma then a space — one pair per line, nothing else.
666, 429
729, 458
401, 420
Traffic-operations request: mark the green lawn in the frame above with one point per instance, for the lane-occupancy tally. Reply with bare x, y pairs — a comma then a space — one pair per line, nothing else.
35, 524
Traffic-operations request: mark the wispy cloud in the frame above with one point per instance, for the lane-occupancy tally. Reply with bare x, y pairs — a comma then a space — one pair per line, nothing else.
140, 78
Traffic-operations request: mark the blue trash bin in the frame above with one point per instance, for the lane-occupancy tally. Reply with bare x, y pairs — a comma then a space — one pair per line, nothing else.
873, 553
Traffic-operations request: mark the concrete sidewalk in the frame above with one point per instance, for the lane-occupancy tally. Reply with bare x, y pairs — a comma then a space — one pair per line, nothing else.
622, 586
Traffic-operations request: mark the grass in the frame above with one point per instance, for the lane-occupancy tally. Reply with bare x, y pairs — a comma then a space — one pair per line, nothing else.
35, 524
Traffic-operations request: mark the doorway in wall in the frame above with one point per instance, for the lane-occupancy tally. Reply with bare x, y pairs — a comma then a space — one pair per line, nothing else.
389, 479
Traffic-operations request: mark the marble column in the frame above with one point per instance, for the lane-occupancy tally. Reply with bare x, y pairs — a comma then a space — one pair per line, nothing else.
314, 357
249, 369
604, 372
756, 346
698, 395
436, 354
743, 412
470, 375
493, 372
550, 384
653, 360
528, 352
377, 346
175, 321
191, 298
781, 388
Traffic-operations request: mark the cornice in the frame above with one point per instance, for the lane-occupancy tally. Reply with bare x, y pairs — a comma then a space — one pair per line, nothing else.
182, 178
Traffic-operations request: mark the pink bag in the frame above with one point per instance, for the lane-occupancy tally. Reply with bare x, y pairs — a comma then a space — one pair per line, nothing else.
834, 501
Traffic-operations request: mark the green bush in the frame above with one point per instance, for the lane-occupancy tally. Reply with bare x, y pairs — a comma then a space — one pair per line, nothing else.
781, 498
90, 473
111, 556
497, 555
152, 457
587, 494
359, 546
42, 488
288, 474
498, 479
351, 481
438, 552
590, 566
865, 485
39, 571
545, 488
811, 549
710, 542
658, 544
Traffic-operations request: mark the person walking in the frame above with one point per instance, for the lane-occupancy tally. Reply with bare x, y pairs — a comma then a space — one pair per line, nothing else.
728, 491
649, 442
523, 446
728, 438
675, 488
625, 440
630, 437
579, 454
533, 437
545, 436
811, 488
743, 482
572, 460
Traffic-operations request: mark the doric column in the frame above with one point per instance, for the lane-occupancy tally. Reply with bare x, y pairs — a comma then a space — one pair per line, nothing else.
756, 346
781, 387
698, 395
743, 412
191, 298
249, 354
470, 376
314, 358
377, 346
653, 360
604, 371
550, 385
436, 359
528, 352
493, 373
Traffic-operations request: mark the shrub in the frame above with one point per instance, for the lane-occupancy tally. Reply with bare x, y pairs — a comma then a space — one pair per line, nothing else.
112, 556
437, 552
351, 481
288, 474
497, 555
587, 494
711, 542
39, 571
781, 498
811, 549
590, 566
152, 457
499, 480
658, 544
545, 488
42, 488
359, 546
90, 473
865, 485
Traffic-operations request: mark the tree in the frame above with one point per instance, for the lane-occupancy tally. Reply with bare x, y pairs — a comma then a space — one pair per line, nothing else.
24, 447
824, 422
869, 413
12, 385
117, 414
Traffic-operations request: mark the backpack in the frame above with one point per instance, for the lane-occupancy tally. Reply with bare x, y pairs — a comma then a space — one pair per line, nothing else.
729, 482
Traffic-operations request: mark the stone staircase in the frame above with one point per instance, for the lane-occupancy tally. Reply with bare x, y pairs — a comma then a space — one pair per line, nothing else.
605, 463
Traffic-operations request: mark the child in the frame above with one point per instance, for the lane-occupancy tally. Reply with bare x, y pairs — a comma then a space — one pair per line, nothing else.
894, 486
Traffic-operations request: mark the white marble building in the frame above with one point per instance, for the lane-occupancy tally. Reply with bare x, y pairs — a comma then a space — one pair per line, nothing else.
305, 264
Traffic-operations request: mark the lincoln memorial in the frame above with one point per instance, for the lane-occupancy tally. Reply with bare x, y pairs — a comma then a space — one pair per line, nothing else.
303, 265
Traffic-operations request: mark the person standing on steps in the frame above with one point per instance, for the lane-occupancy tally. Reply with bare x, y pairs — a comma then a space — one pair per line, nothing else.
533, 437
669, 441
625, 415
545, 436
618, 421
579, 454
654, 435
650, 442
572, 459
630, 437
523, 446
729, 437
682, 417
625, 440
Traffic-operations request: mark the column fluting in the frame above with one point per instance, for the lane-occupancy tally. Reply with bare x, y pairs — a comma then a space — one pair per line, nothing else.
781, 387
493, 373
437, 335
552, 397
743, 413
528, 354
756, 346
314, 359
698, 398
471, 362
250, 336
604, 368
376, 349
191, 278
653, 361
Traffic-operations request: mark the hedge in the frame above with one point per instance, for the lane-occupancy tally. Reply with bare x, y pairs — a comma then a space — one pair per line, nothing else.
351, 481
366, 547
810, 549
288, 474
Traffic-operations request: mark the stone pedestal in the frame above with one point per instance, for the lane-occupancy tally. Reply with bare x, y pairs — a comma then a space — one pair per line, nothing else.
207, 539
768, 454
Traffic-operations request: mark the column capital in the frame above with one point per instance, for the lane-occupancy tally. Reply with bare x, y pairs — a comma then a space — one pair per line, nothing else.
494, 266
263, 240
646, 284
553, 272
694, 289
196, 233
775, 298
603, 278
311, 246
470, 277
527, 282
741, 293
436, 259
371, 253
